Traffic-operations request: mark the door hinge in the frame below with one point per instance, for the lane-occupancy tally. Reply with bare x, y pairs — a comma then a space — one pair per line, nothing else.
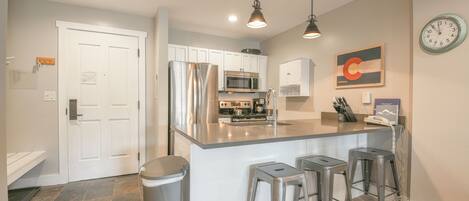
138, 53
138, 105
138, 156
66, 111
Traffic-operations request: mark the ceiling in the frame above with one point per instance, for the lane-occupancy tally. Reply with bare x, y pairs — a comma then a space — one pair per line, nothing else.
210, 16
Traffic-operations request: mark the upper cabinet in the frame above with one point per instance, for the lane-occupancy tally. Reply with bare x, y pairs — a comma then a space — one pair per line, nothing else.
233, 61
250, 63
177, 53
198, 55
294, 78
263, 73
216, 57
225, 60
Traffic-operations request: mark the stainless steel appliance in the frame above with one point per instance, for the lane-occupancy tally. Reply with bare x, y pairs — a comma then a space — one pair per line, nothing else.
258, 106
234, 107
237, 81
239, 111
193, 96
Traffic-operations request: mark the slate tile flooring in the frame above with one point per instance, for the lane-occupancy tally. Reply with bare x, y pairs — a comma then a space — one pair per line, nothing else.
123, 188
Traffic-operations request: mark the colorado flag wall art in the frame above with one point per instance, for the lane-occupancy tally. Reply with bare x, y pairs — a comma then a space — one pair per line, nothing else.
361, 68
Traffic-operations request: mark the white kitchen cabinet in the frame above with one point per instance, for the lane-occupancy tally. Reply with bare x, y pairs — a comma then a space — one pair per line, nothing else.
250, 63
216, 57
177, 53
225, 60
294, 78
262, 73
233, 61
198, 55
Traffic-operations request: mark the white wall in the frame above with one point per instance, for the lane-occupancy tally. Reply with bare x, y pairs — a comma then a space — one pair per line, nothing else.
440, 133
3, 143
356, 25
181, 37
162, 75
31, 122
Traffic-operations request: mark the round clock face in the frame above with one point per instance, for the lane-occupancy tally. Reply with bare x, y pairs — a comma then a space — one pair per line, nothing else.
443, 33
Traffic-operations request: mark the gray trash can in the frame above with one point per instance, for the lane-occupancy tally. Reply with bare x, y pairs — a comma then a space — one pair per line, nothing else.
165, 179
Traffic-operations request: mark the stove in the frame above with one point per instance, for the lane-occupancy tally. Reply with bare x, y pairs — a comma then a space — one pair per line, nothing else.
239, 111
249, 118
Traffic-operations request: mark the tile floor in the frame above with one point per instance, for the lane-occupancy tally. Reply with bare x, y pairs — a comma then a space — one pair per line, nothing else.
123, 188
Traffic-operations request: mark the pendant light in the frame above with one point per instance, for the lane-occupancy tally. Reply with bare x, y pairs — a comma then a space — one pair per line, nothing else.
312, 30
257, 19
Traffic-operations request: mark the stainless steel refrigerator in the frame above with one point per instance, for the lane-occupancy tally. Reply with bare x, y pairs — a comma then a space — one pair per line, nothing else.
193, 96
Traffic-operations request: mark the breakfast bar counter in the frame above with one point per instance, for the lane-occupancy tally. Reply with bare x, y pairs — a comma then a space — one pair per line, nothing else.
218, 135
220, 154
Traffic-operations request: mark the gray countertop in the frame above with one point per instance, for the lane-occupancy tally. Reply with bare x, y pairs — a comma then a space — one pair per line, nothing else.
218, 135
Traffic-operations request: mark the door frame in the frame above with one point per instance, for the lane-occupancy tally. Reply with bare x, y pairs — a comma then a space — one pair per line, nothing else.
63, 28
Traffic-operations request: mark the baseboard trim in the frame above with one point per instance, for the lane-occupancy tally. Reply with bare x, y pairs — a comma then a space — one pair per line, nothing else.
43, 180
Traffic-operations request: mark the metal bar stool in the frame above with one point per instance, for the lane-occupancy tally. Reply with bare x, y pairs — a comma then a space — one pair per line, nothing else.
278, 175
368, 156
325, 168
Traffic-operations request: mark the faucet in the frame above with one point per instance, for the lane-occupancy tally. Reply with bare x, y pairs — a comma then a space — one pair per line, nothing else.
271, 100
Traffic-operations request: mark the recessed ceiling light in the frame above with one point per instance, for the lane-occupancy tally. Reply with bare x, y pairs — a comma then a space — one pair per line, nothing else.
233, 18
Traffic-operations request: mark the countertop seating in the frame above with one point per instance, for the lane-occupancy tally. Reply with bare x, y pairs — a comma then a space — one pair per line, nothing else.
19, 164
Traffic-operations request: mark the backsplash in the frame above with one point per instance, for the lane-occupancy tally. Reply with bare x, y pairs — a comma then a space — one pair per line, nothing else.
240, 96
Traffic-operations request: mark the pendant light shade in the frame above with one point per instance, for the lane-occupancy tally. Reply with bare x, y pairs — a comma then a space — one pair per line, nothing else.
257, 19
312, 30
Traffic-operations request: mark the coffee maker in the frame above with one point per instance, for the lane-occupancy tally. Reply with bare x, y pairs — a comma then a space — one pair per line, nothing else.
258, 106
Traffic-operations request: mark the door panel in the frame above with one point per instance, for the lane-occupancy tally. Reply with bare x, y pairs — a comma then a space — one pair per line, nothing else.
216, 57
202, 55
193, 54
103, 77
90, 140
233, 61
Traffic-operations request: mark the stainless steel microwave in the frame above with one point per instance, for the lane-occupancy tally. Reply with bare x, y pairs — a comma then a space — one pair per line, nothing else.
237, 81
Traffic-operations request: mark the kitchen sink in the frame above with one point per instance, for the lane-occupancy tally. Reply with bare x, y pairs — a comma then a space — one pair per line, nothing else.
257, 123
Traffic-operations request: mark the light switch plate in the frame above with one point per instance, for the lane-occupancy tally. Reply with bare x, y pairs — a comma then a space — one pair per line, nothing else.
50, 96
366, 98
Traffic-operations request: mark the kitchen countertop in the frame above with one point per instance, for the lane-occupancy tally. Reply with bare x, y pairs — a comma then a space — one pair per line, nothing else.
218, 135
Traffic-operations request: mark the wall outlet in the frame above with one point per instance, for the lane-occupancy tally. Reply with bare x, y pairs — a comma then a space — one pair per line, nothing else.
50, 96
366, 98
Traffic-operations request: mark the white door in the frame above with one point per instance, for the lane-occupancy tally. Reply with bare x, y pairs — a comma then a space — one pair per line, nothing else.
103, 78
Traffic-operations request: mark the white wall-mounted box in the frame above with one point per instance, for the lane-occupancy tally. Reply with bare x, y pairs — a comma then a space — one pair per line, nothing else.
294, 78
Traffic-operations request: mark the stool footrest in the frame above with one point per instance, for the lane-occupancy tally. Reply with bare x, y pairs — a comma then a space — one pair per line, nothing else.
311, 195
392, 189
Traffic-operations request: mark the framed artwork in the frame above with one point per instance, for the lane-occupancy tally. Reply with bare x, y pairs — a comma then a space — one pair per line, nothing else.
361, 68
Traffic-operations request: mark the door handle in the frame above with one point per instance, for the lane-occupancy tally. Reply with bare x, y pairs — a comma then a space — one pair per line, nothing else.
72, 105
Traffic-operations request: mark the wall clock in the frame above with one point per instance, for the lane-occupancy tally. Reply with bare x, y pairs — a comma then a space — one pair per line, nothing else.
443, 33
